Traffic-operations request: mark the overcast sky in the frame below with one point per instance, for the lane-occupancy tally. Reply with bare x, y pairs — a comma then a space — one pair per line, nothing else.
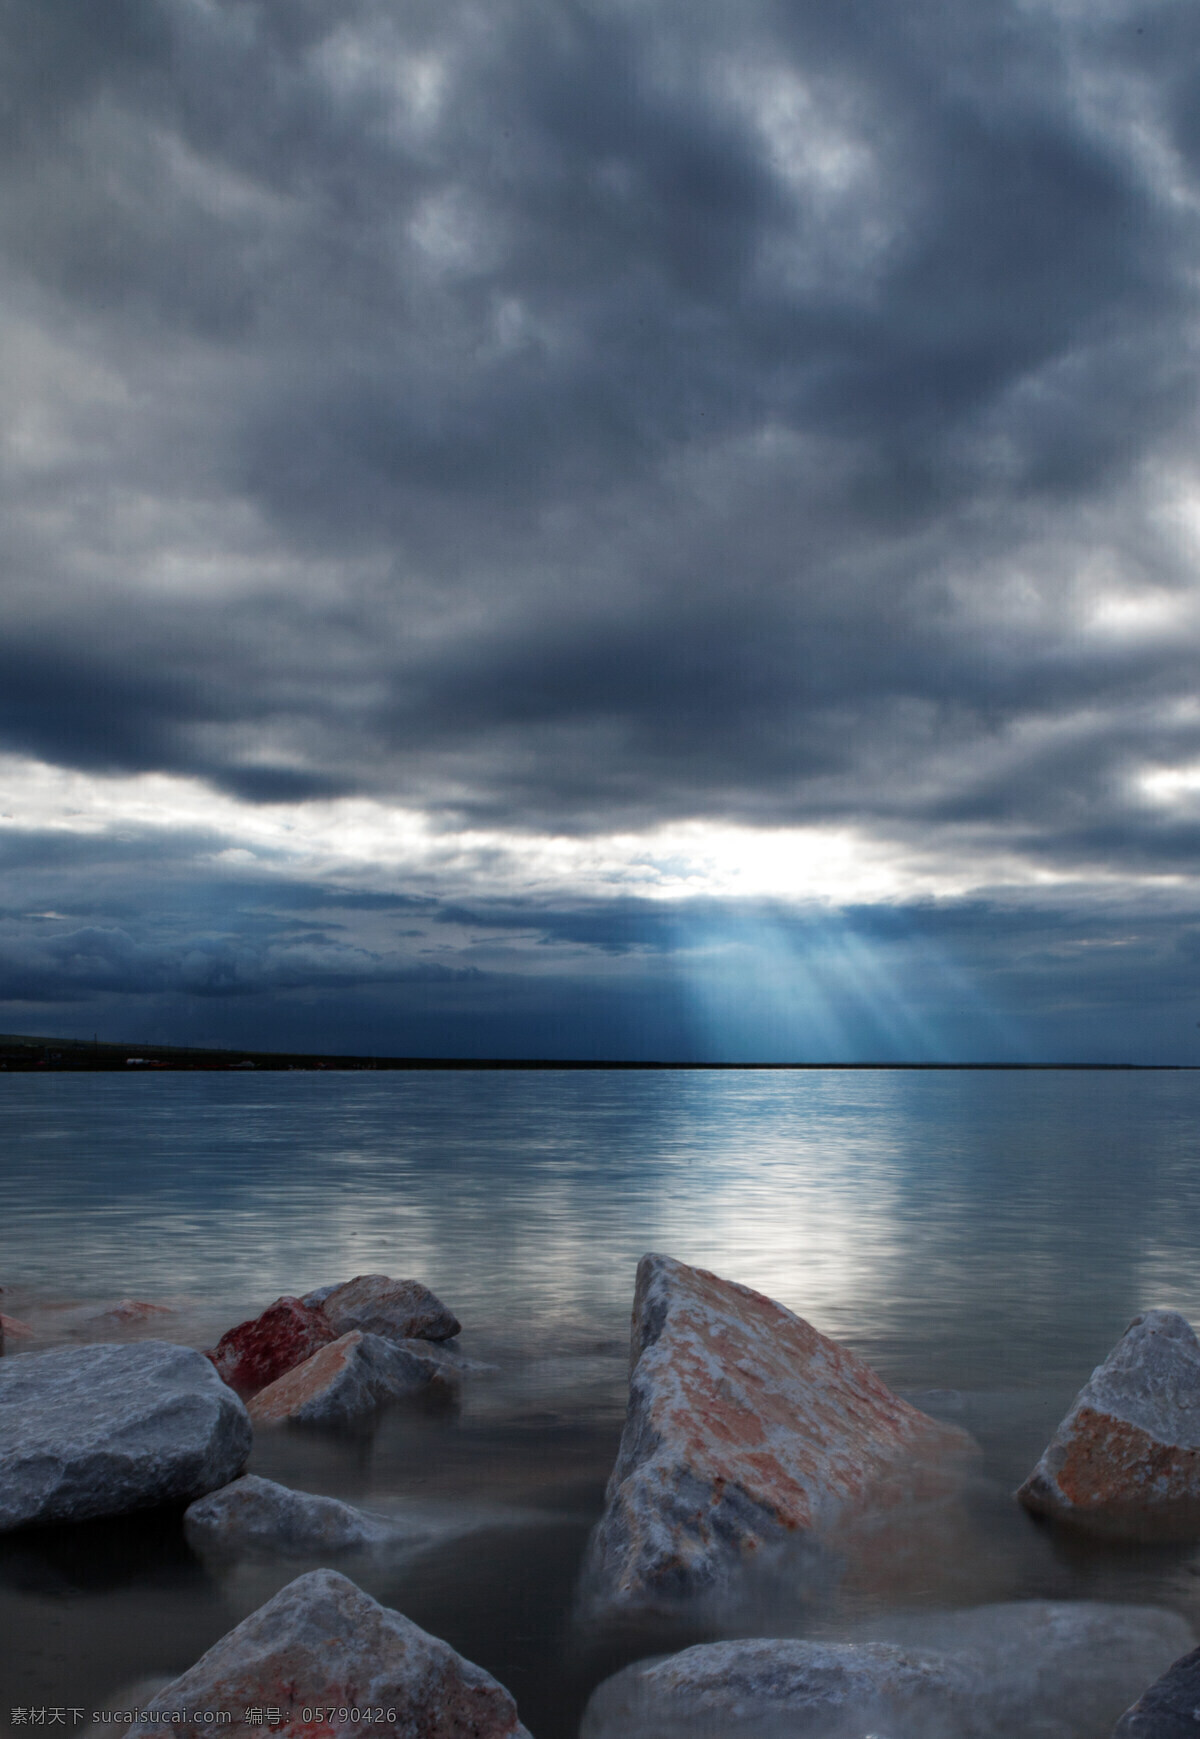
602, 527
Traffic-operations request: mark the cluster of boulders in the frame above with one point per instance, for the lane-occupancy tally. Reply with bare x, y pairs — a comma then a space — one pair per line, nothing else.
753, 1448
338, 1353
103, 1429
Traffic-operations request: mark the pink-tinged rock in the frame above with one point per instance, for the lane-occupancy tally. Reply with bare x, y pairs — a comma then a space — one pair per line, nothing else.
749, 1437
395, 1309
11, 1325
323, 1659
345, 1380
255, 1353
1125, 1462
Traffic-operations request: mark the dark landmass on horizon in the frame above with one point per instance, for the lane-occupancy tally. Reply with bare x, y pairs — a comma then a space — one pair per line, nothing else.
21, 1052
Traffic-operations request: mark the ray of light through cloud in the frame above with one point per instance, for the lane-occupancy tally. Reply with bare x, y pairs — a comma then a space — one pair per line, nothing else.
602, 529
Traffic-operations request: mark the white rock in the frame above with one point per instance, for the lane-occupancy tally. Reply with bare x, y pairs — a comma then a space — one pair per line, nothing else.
99, 1430
322, 1643
1126, 1459
257, 1514
346, 1380
749, 1438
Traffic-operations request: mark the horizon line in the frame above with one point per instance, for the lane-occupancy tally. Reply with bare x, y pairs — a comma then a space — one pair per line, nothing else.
118, 1054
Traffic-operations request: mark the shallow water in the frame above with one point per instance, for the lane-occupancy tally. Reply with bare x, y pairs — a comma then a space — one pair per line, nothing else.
983, 1235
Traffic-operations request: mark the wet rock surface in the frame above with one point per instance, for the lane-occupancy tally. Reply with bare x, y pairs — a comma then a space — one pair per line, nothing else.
105, 1429
258, 1514
322, 1644
748, 1434
346, 1380
1170, 1708
1025, 1670
395, 1309
255, 1353
781, 1689
1125, 1462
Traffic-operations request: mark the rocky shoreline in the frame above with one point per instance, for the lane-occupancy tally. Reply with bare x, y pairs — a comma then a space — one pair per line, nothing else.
757, 1455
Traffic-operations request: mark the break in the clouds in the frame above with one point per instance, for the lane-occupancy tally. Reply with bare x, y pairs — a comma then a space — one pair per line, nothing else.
602, 528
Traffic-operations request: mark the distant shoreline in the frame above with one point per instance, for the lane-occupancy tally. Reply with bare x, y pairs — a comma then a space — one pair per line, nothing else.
21, 1053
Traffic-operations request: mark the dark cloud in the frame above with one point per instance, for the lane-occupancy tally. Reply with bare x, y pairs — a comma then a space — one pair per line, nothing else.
573, 416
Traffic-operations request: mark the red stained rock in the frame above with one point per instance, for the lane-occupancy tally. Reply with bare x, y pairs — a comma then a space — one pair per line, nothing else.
258, 1352
1125, 1462
323, 1659
746, 1430
11, 1325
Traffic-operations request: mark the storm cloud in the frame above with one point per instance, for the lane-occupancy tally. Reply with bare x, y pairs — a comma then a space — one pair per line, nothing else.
566, 422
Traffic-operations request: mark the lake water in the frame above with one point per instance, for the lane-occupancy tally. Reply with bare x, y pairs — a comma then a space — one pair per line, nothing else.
986, 1234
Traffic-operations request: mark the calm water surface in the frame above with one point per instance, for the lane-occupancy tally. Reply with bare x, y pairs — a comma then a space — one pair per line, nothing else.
983, 1235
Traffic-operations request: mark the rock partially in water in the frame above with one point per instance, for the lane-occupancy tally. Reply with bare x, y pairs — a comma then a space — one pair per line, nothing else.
322, 1644
1020, 1670
1125, 1462
346, 1380
1170, 1709
781, 1689
257, 1514
255, 1353
748, 1434
395, 1309
1047, 1667
100, 1430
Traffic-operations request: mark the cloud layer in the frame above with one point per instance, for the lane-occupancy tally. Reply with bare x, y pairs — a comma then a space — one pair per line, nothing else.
573, 421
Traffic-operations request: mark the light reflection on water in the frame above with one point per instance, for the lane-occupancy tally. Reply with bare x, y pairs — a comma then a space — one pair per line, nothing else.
989, 1233
966, 1228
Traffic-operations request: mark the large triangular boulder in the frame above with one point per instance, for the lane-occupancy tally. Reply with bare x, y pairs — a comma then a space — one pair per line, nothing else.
748, 1434
323, 1658
1125, 1462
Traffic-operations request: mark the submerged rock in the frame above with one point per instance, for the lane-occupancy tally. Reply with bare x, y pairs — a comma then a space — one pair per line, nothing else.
345, 1380
1125, 1461
255, 1353
1037, 1669
323, 1645
1170, 1709
129, 1310
255, 1513
99, 1430
747, 1434
1046, 1667
781, 1689
395, 1309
